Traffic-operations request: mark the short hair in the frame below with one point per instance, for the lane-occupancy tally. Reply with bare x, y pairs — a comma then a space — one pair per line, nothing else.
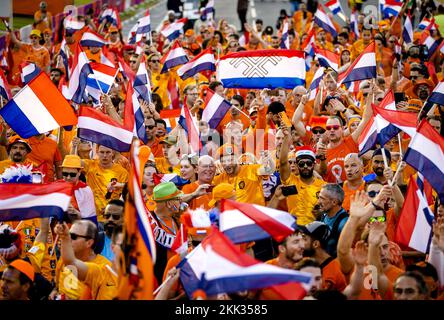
239, 98
205, 157
343, 34
275, 107
188, 88
214, 84
284, 242
369, 183
91, 230
116, 202
341, 121
260, 21
161, 121
378, 152
353, 155
420, 281
305, 263
335, 191
58, 70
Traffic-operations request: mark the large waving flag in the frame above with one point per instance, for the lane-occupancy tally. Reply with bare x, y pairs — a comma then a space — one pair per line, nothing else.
426, 154
364, 66
244, 222
285, 40
324, 22
327, 58
187, 122
414, 229
112, 16
314, 86
21, 201
216, 107
5, 92
101, 80
142, 83
217, 266
143, 26
92, 39
176, 56
437, 95
97, 127
38, 108
407, 31
202, 62
173, 30
391, 8
136, 279
134, 119
28, 71
79, 76
262, 69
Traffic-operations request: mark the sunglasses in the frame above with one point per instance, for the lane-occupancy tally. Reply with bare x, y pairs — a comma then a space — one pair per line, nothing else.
291, 161
132, 61
377, 219
372, 194
115, 216
413, 77
334, 127
150, 127
76, 236
318, 131
303, 164
155, 61
69, 174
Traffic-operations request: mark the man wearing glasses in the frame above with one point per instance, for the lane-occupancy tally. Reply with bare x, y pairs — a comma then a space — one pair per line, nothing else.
113, 220
82, 203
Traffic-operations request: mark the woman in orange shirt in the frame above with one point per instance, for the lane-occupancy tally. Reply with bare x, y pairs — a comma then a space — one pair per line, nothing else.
35, 52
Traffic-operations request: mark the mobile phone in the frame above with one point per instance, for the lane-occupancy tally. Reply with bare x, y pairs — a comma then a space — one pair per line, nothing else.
399, 96
37, 177
289, 190
285, 121
210, 189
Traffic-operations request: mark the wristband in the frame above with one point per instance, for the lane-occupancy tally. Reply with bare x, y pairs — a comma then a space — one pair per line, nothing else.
376, 206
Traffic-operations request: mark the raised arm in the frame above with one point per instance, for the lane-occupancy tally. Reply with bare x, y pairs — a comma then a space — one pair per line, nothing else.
360, 254
297, 116
375, 239
368, 114
284, 167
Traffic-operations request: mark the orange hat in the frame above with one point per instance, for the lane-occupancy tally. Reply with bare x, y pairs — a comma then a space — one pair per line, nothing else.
227, 149
113, 29
414, 105
47, 30
24, 267
221, 191
426, 82
16, 139
197, 222
318, 122
189, 33
35, 32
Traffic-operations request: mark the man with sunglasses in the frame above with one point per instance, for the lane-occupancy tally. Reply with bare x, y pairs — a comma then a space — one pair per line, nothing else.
113, 219
308, 186
82, 202
152, 141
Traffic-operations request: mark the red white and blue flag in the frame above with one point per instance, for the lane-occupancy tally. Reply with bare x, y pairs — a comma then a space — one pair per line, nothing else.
143, 26
285, 40
22, 201
169, 177
308, 47
28, 71
37, 108
112, 16
334, 6
92, 39
209, 10
324, 22
79, 76
426, 22
407, 31
216, 107
173, 30
327, 58
262, 69
431, 43
176, 56
64, 54
314, 86
354, 24
244, 222
426, 154
72, 24
364, 66
133, 114
142, 83
437, 95
101, 80
202, 62
188, 123
180, 244
99, 128
414, 229
217, 266
391, 8
5, 92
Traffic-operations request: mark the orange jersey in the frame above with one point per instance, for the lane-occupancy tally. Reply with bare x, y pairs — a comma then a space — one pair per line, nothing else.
45, 151
39, 56
201, 201
335, 160
348, 193
332, 276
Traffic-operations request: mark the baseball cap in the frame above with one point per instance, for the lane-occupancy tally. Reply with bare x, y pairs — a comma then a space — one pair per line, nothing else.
170, 140
221, 191
35, 32
316, 230
24, 267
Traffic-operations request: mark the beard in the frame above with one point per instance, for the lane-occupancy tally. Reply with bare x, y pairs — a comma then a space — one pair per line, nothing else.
109, 228
308, 253
379, 172
306, 173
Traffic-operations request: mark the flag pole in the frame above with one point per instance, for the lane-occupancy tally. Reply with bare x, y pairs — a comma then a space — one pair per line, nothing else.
161, 286
54, 245
395, 176
400, 146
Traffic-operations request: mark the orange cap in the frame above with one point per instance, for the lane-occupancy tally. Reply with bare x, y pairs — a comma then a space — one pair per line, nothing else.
24, 267
113, 29
318, 122
189, 33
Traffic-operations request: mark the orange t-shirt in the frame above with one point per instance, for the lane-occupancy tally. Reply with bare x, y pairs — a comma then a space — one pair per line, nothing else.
332, 276
201, 201
39, 56
350, 192
335, 160
392, 273
46, 23
156, 148
47, 151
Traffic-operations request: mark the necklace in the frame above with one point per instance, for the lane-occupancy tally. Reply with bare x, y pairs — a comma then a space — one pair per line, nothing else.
173, 231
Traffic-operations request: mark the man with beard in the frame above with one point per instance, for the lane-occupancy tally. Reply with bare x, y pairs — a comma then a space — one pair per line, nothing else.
333, 215
316, 236
382, 173
153, 142
246, 179
308, 186
197, 193
18, 150
354, 169
290, 251
113, 218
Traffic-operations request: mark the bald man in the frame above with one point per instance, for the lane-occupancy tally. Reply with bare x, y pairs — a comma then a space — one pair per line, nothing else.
354, 171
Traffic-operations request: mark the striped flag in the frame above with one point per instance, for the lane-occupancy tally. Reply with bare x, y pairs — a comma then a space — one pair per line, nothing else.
364, 67
209, 10
188, 123
176, 56
407, 31
28, 71
142, 83
437, 95
64, 54
285, 41
202, 62
308, 47
99, 128
354, 24
101, 80
169, 177
391, 8
216, 107
92, 39
324, 22
431, 43
37, 108
112, 16
334, 6
5, 92
414, 229
79, 76
133, 114
72, 24
143, 26
425, 23
315, 82
136, 280
173, 30
22, 201
327, 58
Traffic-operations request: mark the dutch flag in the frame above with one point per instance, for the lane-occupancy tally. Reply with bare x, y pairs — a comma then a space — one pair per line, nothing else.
142, 83
391, 8
437, 95
79, 76
28, 71
5, 92
285, 41
169, 177
407, 32
143, 26
133, 114
354, 24
92, 39
202, 62
327, 58
173, 30
315, 82
425, 23
176, 56
324, 22
72, 24
101, 80
112, 16
188, 123
364, 67
64, 54
215, 110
